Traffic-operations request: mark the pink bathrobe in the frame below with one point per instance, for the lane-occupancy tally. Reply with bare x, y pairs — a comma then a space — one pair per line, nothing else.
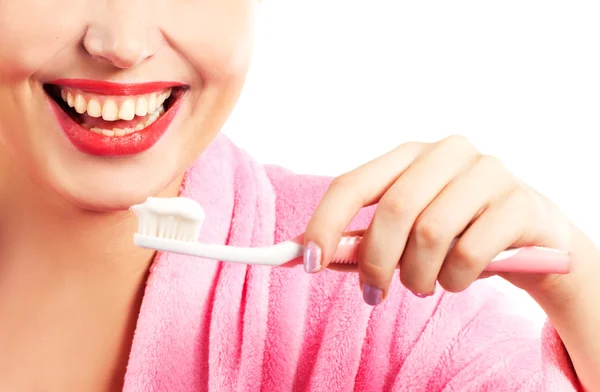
211, 326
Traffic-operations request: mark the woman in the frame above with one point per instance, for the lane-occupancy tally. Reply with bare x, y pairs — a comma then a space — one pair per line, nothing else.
105, 103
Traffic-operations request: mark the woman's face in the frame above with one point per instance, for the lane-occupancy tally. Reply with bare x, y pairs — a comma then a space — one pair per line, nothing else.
175, 70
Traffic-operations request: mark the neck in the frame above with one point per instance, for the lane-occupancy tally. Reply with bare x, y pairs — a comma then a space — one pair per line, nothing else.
71, 280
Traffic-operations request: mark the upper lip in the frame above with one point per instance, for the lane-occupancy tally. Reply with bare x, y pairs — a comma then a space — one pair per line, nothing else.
113, 88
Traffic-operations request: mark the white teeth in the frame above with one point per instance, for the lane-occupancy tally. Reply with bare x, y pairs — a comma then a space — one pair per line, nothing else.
127, 110
94, 109
114, 108
110, 111
80, 104
141, 107
152, 103
142, 110
115, 132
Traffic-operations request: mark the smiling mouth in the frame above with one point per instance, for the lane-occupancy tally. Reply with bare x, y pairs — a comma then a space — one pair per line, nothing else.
109, 119
114, 115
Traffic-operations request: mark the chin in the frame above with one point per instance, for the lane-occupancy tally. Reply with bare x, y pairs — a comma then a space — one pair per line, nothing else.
112, 200
98, 189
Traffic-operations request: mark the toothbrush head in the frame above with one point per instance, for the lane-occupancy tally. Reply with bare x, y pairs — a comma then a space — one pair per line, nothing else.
176, 218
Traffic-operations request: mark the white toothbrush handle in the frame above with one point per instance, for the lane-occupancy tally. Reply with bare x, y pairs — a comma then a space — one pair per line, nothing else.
274, 255
528, 259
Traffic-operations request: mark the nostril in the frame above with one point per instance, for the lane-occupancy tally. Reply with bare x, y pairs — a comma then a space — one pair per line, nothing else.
100, 59
121, 47
121, 57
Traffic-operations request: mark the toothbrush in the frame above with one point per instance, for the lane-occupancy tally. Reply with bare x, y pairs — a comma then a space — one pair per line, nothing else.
173, 225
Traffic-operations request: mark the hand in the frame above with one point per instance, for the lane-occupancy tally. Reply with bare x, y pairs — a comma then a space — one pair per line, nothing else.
427, 195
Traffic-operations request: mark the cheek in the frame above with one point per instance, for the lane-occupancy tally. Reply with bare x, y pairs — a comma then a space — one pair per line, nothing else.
15, 116
37, 32
217, 41
216, 37
27, 129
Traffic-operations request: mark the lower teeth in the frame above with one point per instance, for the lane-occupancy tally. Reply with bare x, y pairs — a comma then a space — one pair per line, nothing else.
126, 131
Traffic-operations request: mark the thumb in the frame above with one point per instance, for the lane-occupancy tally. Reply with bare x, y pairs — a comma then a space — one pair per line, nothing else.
326, 226
345, 196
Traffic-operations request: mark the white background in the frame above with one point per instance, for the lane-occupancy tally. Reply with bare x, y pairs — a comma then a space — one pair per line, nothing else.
336, 83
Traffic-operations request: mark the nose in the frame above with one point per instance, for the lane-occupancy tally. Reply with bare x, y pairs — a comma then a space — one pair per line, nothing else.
125, 35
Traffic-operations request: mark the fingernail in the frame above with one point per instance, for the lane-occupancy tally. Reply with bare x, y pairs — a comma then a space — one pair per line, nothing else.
372, 295
431, 293
312, 257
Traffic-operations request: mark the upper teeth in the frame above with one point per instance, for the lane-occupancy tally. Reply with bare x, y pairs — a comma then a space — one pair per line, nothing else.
114, 108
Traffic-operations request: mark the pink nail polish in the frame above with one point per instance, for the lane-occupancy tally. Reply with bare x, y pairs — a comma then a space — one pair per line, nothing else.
312, 257
372, 295
431, 293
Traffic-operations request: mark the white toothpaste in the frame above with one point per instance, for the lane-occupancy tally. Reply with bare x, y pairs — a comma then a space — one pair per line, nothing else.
166, 217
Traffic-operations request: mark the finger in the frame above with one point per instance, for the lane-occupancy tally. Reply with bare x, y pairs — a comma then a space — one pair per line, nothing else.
448, 215
553, 227
486, 274
346, 196
385, 239
499, 227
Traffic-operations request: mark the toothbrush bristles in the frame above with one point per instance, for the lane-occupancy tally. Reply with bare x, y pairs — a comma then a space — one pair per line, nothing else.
170, 218
169, 227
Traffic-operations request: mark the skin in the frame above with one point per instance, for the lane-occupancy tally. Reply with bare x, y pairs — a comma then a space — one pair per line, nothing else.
66, 246
428, 194
66, 240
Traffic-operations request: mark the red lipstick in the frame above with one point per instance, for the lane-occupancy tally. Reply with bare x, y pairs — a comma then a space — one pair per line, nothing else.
111, 88
134, 143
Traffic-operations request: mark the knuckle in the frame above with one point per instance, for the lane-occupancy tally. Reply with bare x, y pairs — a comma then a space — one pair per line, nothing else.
458, 141
396, 206
491, 163
457, 146
489, 166
346, 185
411, 145
467, 257
429, 233
339, 182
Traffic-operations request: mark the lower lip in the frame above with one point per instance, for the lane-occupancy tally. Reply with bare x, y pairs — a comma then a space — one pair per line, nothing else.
134, 143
